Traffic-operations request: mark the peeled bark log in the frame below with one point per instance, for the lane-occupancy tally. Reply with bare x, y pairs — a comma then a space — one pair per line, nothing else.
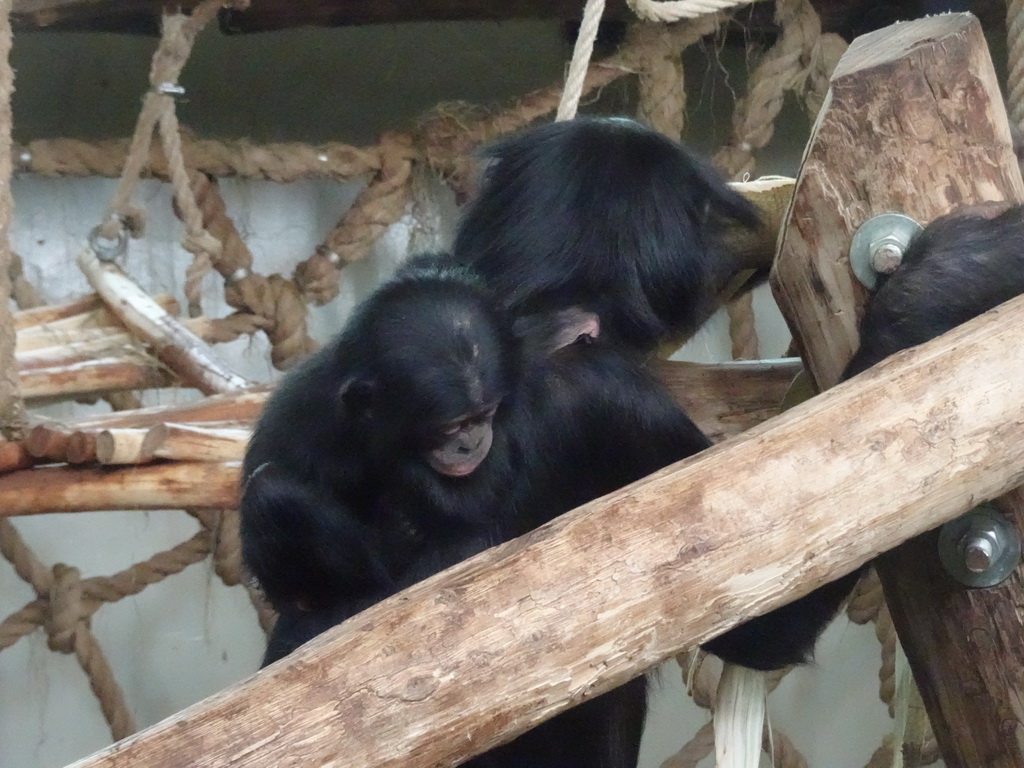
44, 490
191, 358
477, 654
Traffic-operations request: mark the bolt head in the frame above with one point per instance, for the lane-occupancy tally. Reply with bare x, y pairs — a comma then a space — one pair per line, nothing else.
978, 555
886, 257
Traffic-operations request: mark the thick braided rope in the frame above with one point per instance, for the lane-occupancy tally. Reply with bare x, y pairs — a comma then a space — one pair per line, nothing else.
98, 590
271, 304
662, 87
784, 67
169, 59
1015, 60
580, 63
886, 634
676, 10
278, 162
223, 525
58, 608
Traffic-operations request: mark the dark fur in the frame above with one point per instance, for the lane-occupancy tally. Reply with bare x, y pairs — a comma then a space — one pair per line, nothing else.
961, 266
605, 214
339, 509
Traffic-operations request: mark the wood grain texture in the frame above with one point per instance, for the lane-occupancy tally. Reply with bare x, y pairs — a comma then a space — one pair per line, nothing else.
481, 652
915, 123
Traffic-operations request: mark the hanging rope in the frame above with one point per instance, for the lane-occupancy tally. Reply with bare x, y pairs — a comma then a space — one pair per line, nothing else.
662, 86
581, 54
676, 10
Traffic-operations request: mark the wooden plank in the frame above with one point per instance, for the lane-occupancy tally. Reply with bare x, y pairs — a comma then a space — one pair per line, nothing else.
914, 123
485, 650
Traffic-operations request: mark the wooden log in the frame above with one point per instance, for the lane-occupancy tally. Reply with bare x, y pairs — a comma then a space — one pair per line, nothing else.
177, 442
91, 377
192, 442
121, 445
81, 448
86, 326
237, 407
485, 650
728, 398
914, 123
958, 152
191, 359
42, 490
14, 456
27, 318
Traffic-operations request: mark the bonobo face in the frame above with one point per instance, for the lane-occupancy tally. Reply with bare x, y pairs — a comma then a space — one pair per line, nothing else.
465, 444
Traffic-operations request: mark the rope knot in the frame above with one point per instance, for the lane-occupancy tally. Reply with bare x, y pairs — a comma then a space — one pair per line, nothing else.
65, 611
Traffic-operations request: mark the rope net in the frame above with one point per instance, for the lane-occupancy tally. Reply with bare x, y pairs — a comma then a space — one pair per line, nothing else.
799, 63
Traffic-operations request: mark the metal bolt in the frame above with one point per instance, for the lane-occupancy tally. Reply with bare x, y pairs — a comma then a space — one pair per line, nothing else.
886, 255
980, 548
878, 246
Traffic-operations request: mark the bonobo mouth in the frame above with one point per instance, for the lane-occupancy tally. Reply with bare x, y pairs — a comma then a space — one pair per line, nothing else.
459, 462
454, 470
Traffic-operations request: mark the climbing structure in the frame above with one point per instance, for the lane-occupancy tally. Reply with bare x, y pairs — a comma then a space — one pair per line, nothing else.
119, 341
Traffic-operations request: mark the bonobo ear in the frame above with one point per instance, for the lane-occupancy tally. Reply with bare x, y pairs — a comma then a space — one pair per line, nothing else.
357, 395
576, 324
547, 332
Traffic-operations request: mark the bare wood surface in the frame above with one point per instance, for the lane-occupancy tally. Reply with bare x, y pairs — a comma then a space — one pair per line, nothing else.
44, 490
191, 358
914, 123
91, 376
485, 650
193, 442
14, 456
177, 442
78, 320
26, 318
238, 407
934, 75
728, 398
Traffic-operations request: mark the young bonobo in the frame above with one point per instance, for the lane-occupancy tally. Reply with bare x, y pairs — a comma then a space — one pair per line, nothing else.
608, 215
432, 428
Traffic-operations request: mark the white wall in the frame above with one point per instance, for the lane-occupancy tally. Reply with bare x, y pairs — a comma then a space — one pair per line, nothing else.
189, 636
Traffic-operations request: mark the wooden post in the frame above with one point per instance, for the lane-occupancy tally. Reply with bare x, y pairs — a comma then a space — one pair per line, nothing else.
914, 123
480, 653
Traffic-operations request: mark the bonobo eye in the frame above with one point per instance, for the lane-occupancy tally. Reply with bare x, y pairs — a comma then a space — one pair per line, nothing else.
454, 427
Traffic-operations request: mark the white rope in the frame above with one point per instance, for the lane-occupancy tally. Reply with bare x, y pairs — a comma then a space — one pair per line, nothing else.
581, 54
674, 10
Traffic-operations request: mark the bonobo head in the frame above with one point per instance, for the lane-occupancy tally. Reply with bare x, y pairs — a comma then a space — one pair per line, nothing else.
427, 360
608, 215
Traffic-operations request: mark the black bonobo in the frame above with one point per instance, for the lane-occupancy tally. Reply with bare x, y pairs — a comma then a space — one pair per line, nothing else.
434, 427
962, 265
608, 215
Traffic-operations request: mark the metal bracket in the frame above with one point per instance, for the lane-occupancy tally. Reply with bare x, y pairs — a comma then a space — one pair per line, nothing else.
878, 246
980, 548
107, 249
